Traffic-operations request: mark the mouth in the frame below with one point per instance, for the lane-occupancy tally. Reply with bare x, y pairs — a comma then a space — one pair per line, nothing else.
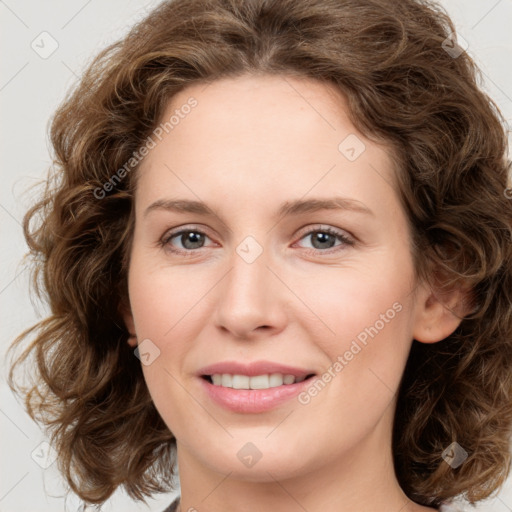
254, 394
253, 387
255, 382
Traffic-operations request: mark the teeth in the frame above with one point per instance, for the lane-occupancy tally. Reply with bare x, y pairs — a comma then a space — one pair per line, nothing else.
227, 380
275, 379
257, 382
240, 382
289, 379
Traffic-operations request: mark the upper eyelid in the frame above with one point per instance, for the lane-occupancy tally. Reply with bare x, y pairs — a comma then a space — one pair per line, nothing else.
170, 233
324, 227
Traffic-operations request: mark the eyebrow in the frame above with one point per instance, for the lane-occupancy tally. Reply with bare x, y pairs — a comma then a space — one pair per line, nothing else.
288, 208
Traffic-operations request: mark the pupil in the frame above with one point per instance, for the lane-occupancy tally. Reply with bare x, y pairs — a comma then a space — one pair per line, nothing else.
193, 238
324, 238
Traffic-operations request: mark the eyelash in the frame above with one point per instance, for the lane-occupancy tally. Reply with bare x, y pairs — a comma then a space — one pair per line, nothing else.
164, 242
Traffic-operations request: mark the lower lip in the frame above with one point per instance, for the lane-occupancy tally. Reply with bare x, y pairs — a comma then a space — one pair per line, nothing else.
253, 400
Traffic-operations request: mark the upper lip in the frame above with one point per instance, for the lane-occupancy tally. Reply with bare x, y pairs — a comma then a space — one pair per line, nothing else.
252, 369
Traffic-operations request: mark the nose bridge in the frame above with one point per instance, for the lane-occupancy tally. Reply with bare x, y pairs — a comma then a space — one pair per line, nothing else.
249, 298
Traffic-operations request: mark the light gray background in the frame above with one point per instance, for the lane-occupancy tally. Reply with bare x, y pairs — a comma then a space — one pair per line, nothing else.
30, 89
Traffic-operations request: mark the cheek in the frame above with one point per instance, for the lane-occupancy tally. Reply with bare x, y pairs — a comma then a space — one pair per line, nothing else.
163, 317
162, 298
355, 304
365, 361
168, 323
365, 329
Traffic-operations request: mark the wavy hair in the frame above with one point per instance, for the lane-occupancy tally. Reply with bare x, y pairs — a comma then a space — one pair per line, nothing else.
406, 84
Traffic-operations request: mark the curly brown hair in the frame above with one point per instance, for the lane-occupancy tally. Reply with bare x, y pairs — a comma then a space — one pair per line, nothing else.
404, 86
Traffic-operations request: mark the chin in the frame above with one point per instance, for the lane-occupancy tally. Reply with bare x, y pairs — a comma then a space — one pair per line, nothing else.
243, 462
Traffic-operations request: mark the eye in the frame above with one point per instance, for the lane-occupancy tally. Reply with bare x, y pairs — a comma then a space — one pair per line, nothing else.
189, 239
322, 239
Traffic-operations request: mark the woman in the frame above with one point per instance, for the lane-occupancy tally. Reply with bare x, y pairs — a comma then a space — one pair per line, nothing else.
277, 253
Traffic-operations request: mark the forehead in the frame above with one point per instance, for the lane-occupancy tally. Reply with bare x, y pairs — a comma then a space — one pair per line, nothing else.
257, 108
265, 137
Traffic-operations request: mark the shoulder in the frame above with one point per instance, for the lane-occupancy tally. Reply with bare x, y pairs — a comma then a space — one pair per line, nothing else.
173, 506
450, 507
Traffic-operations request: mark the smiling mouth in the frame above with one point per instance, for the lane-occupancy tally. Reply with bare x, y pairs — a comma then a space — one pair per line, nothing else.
264, 381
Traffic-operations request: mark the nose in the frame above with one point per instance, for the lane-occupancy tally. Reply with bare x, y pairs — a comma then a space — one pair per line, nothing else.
251, 298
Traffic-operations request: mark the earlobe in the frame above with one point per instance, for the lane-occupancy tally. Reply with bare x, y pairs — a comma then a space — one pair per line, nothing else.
132, 341
126, 313
439, 315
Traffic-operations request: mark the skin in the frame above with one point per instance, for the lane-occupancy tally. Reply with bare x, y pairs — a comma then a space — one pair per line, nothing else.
250, 144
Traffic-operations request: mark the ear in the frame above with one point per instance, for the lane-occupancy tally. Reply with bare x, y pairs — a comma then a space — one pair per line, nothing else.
126, 313
439, 313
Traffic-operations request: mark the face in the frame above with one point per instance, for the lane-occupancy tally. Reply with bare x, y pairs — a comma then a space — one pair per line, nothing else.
265, 280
